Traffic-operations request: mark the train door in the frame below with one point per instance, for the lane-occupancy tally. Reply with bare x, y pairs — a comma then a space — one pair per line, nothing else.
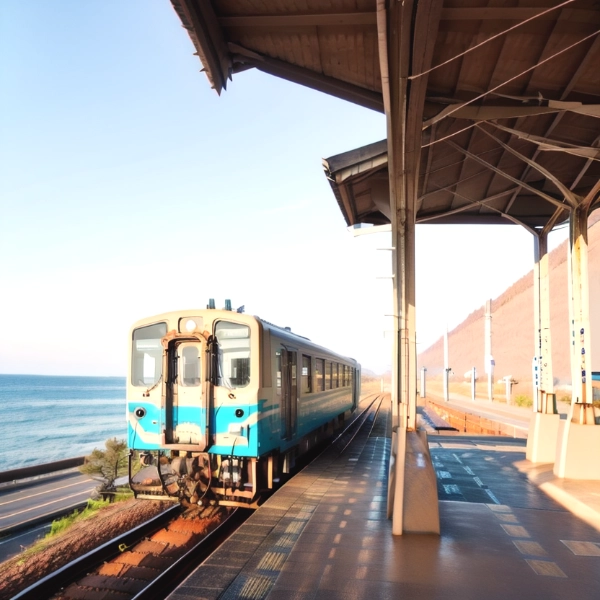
289, 399
185, 405
355, 387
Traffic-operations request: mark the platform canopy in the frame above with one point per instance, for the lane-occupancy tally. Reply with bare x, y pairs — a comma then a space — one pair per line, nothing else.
507, 94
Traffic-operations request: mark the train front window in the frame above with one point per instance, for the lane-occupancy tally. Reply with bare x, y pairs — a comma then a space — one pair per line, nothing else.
234, 354
191, 366
146, 355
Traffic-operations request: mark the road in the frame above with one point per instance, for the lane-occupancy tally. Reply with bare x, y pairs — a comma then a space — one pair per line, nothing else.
26, 506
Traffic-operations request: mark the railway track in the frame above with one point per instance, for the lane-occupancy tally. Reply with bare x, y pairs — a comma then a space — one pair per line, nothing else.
151, 560
146, 562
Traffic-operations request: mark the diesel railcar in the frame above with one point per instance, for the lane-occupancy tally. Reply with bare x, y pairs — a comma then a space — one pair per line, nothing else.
220, 404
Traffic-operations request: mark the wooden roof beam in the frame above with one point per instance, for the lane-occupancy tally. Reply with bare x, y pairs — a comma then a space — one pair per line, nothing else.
577, 15
564, 95
201, 23
308, 78
308, 20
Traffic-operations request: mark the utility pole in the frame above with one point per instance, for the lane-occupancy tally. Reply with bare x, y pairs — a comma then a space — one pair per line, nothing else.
489, 359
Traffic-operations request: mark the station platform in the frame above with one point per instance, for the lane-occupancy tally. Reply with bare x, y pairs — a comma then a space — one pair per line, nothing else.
325, 535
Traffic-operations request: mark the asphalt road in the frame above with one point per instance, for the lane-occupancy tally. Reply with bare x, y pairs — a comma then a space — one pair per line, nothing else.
14, 544
26, 504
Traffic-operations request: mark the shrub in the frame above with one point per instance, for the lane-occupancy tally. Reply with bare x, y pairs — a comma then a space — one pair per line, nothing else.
522, 400
60, 525
107, 465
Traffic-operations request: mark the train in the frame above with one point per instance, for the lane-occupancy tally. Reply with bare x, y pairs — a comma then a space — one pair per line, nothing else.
221, 404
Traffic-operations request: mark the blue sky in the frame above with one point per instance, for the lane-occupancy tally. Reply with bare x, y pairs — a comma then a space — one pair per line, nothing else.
129, 188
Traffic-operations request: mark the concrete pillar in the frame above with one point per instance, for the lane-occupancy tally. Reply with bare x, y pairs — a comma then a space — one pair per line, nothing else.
578, 436
543, 427
473, 383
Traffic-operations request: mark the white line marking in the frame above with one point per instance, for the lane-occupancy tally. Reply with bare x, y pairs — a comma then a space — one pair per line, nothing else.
63, 487
16, 537
38, 506
491, 495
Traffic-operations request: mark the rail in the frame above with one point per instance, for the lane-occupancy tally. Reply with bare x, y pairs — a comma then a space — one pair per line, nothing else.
169, 577
49, 585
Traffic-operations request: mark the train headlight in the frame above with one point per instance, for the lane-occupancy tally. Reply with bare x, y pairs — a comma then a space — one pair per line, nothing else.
190, 325
239, 413
140, 412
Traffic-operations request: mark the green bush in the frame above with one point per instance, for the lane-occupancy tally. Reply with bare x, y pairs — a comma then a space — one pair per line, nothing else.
60, 525
522, 400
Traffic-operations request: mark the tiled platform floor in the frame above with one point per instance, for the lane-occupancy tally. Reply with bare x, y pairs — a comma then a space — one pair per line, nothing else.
325, 535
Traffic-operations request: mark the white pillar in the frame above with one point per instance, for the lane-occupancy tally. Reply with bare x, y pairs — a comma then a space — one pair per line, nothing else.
489, 359
446, 367
545, 423
544, 402
507, 388
578, 438
579, 312
473, 383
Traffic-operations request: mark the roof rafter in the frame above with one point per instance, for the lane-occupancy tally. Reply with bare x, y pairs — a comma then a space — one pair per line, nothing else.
471, 204
569, 196
547, 144
532, 189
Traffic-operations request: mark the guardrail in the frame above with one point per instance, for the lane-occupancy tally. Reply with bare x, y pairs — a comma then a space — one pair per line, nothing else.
471, 423
37, 470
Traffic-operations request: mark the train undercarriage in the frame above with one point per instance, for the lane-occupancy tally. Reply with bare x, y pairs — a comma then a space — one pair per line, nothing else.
205, 478
199, 477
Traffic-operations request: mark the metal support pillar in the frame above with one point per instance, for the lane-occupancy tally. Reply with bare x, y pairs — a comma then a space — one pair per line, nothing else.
577, 436
545, 400
579, 313
412, 495
423, 390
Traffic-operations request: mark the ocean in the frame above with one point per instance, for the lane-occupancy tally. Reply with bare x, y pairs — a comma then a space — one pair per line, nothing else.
43, 419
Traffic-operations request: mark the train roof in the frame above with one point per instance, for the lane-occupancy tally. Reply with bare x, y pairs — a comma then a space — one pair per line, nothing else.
283, 332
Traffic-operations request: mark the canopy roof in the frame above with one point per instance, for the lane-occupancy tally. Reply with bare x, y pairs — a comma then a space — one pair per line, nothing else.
508, 95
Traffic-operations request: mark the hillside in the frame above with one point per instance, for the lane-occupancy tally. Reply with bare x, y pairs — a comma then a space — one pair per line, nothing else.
512, 326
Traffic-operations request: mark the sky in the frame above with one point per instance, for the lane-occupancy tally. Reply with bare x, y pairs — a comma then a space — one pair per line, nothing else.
128, 188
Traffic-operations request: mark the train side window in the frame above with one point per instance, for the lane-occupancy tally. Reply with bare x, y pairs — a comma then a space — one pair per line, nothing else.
320, 374
335, 375
278, 371
146, 354
327, 374
306, 375
346, 378
234, 354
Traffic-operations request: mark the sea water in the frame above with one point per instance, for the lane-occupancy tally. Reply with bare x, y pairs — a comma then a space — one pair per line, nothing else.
44, 419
